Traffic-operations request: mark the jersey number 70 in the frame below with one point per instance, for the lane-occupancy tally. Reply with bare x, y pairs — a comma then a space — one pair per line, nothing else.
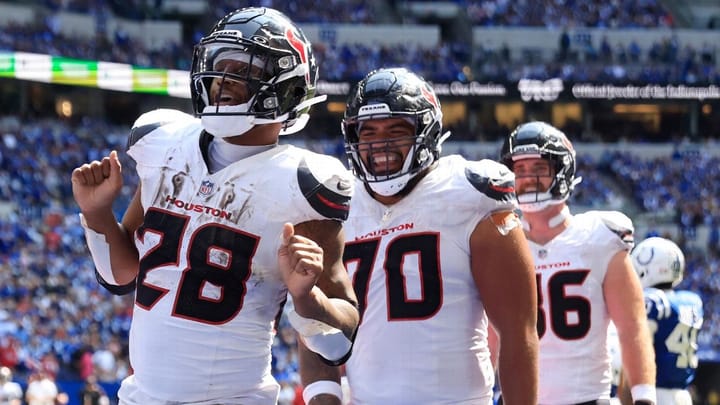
425, 245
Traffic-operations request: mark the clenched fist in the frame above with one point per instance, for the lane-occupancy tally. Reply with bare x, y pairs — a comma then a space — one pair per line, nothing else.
96, 184
300, 260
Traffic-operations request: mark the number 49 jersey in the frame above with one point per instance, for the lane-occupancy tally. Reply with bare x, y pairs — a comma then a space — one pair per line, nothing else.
675, 318
422, 336
572, 317
208, 289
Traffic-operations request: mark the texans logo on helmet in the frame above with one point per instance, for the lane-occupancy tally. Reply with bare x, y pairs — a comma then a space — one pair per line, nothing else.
565, 141
301, 49
430, 96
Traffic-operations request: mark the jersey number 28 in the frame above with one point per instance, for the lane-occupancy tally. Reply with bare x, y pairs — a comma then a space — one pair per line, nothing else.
206, 242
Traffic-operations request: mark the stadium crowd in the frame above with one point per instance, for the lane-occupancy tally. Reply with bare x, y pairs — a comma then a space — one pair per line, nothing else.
632, 14
665, 61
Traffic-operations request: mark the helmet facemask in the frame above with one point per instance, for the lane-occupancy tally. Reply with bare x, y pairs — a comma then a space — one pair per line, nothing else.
556, 193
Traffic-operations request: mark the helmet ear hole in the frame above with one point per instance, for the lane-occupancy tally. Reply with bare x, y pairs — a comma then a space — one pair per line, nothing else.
299, 93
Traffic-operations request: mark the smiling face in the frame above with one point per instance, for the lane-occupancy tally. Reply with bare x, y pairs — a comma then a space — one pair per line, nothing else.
384, 144
533, 175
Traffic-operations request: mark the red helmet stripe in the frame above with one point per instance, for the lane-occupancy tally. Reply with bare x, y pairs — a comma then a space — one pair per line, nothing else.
430, 97
301, 49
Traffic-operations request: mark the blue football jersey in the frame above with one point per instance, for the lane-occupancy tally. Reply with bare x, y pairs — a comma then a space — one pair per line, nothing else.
675, 318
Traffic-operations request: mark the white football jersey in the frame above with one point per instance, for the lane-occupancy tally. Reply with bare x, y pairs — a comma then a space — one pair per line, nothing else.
209, 288
422, 338
572, 319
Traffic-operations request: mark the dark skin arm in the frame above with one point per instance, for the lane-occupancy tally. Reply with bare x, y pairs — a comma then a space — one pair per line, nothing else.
332, 300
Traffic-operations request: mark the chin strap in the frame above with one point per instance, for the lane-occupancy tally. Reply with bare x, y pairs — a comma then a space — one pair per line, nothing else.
442, 139
302, 120
552, 222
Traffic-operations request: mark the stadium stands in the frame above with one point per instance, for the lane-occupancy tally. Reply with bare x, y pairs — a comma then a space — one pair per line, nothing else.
511, 48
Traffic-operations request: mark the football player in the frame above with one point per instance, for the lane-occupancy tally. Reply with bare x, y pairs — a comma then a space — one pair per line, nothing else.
674, 316
225, 224
434, 249
584, 276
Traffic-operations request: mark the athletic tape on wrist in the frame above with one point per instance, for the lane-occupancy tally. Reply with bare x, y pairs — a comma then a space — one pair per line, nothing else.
321, 338
644, 392
100, 252
322, 387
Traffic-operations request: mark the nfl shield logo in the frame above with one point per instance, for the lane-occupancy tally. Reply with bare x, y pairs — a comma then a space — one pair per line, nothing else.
206, 187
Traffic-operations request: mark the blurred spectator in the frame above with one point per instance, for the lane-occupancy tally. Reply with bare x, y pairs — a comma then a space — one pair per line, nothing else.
42, 390
564, 45
92, 393
83, 362
11, 393
553, 14
103, 361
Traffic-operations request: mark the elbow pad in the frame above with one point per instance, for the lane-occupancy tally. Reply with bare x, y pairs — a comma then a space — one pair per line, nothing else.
327, 341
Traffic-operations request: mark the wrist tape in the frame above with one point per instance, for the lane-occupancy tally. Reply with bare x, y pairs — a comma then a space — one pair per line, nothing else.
323, 339
644, 392
322, 387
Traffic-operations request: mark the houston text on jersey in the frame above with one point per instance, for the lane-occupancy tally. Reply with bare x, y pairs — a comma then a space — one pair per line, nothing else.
548, 266
386, 231
198, 208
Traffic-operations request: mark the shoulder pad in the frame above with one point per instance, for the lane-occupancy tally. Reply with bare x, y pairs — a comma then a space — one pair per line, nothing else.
328, 191
152, 120
619, 223
492, 179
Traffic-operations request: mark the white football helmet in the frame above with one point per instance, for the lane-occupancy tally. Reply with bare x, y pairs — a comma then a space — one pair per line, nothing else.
658, 261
